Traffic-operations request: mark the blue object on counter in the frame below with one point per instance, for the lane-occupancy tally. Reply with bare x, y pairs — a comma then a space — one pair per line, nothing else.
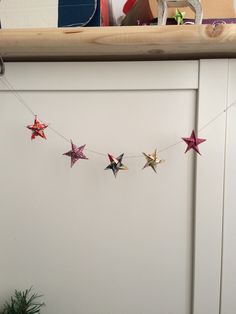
74, 13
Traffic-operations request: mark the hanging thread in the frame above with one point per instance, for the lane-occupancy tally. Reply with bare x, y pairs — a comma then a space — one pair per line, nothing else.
10, 87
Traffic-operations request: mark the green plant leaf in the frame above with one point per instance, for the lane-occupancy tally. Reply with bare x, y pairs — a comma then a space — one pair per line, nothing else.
23, 302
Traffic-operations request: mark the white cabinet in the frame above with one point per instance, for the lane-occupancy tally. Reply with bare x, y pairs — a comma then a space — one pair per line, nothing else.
143, 243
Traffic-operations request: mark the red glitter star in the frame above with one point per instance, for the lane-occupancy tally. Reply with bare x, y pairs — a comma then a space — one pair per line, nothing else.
193, 142
37, 129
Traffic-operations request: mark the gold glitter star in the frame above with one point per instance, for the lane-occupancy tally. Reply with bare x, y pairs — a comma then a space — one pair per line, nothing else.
152, 160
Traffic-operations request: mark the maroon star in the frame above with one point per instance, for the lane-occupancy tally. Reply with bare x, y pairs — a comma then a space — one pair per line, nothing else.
193, 142
75, 153
37, 128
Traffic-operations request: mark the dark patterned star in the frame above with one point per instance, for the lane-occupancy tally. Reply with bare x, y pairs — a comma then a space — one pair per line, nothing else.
116, 164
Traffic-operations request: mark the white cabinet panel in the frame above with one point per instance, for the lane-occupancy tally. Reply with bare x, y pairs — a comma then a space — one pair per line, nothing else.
209, 186
136, 75
229, 256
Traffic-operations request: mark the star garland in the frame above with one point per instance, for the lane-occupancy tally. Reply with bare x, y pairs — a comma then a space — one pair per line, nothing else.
77, 152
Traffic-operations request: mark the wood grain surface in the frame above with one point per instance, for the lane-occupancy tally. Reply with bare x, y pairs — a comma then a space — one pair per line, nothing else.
119, 43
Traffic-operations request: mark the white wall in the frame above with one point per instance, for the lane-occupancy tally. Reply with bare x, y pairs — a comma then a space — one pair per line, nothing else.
28, 13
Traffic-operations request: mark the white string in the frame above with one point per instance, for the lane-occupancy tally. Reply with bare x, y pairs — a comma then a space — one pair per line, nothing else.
17, 95
9, 86
217, 116
200, 130
58, 133
95, 152
170, 146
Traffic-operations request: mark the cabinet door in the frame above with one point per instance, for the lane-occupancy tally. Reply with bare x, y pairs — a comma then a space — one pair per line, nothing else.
144, 242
